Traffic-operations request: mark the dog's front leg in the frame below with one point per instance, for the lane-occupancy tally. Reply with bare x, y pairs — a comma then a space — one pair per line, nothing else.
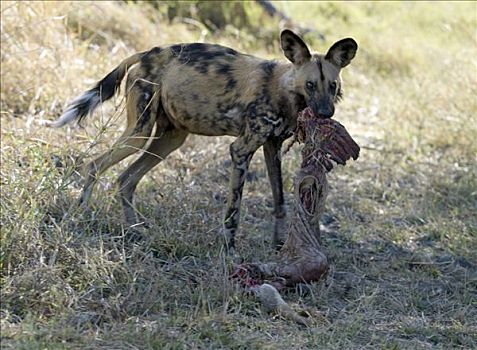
271, 151
241, 152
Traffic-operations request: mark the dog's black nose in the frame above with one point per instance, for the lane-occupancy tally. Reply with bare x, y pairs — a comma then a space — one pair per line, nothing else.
325, 113
324, 109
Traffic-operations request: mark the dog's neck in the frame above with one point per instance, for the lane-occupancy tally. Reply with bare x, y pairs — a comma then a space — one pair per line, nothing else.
287, 100
286, 76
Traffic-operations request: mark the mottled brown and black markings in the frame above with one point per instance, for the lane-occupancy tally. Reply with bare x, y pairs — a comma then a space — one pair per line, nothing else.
213, 90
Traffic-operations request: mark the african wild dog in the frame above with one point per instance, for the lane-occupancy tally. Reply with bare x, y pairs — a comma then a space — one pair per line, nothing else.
214, 90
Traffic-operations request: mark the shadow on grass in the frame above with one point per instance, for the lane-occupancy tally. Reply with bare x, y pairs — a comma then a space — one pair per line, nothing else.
399, 280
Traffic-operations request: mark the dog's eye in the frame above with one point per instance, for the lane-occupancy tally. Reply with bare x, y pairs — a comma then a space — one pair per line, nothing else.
333, 87
310, 85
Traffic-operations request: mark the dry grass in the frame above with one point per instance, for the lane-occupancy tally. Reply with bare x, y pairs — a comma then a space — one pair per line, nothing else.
400, 230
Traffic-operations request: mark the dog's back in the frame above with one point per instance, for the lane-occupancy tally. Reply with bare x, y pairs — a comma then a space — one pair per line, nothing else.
208, 89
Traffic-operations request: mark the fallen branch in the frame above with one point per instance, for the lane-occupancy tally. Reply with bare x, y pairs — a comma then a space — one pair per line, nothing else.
286, 21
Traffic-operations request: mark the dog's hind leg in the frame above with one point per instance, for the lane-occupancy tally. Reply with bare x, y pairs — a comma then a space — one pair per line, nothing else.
142, 111
164, 143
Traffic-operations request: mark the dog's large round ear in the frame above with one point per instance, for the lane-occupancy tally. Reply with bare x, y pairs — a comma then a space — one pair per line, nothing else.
294, 48
342, 52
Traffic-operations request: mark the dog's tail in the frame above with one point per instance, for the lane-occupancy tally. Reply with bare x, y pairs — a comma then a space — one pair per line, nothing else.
103, 91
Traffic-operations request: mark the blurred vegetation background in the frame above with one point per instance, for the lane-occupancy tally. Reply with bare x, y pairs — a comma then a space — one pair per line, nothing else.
400, 228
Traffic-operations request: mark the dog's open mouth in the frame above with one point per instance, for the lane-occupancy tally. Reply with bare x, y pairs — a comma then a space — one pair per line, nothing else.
308, 113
